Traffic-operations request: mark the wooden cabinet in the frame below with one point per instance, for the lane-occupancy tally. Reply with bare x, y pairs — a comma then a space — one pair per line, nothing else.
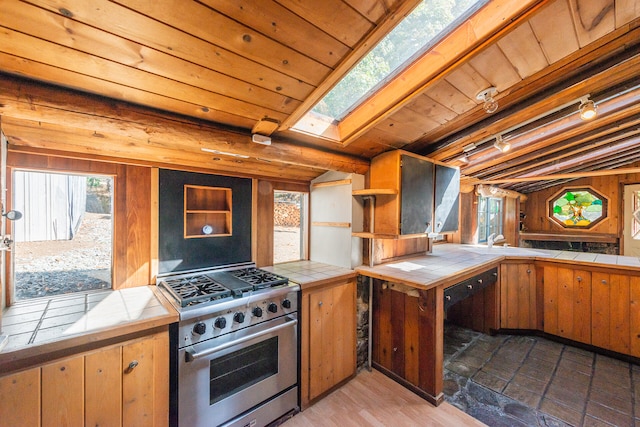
407, 337
427, 198
121, 385
567, 303
615, 321
20, 399
328, 338
207, 211
518, 296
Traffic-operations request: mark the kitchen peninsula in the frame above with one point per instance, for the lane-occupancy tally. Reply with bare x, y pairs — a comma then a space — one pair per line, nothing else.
409, 299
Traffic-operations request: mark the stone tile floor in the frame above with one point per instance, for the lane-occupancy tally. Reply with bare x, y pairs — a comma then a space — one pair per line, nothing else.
513, 381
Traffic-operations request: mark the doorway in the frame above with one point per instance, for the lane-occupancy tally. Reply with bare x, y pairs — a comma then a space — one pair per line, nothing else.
631, 229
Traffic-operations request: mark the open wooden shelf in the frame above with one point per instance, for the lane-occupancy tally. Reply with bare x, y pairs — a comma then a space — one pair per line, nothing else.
207, 211
374, 192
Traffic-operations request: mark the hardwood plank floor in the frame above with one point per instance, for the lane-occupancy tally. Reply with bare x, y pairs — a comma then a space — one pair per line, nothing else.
372, 399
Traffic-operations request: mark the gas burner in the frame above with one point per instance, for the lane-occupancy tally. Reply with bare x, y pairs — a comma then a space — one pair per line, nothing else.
259, 278
192, 290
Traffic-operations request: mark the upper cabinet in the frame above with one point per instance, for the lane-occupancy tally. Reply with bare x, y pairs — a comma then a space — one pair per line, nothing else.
425, 194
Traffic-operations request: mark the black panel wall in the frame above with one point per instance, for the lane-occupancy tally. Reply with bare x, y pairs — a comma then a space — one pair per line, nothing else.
179, 254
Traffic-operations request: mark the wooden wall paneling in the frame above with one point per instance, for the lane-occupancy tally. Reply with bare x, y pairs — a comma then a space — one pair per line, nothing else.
138, 231
468, 218
103, 388
619, 325
384, 341
511, 220
581, 322
540, 297
411, 339
447, 94
160, 376
526, 296
264, 217
634, 310
20, 401
566, 303
137, 387
432, 340
63, 393
551, 296
537, 210
344, 331
398, 319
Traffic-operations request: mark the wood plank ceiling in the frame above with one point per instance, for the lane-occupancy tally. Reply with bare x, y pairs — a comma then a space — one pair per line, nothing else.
213, 70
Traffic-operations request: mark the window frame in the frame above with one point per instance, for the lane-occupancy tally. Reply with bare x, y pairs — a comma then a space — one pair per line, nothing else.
551, 201
488, 224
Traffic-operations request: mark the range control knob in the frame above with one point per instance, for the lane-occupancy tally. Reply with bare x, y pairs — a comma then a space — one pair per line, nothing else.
220, 323
199, 328
238, 317
286, 303
257, 312
273, 308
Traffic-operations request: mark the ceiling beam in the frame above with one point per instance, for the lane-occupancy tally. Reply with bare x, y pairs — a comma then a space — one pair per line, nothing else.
25, 100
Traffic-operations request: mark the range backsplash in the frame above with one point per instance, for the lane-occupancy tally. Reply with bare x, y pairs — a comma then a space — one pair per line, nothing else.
176, 253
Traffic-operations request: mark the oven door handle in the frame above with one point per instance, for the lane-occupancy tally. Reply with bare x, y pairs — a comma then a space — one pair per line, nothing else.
191, 355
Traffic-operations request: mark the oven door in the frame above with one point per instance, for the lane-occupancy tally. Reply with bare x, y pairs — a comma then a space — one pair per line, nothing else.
225, 376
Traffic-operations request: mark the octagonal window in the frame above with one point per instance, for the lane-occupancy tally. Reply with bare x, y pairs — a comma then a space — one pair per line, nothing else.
577, 208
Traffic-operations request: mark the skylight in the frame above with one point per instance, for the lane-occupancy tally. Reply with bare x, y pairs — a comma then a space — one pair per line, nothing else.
429, 22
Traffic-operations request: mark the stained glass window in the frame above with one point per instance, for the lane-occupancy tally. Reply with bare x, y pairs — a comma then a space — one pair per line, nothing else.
578, 208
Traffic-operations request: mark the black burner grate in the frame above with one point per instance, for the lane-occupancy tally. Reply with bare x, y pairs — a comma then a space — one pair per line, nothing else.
195, 289
259, 278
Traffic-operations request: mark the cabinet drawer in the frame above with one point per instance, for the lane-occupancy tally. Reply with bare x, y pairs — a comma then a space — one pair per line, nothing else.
466, 288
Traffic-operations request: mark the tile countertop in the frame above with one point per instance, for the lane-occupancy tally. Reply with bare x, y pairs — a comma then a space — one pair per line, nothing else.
311, 273
448, 261
58, 324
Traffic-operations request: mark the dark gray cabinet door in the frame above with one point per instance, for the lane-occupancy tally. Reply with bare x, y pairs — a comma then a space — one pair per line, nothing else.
416, 205
447, 196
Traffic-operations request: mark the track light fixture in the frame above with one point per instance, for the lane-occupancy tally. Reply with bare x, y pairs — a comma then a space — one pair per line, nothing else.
501, 145
587, 109
490, 104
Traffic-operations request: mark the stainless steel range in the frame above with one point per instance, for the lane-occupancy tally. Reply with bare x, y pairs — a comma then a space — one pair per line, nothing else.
237, 345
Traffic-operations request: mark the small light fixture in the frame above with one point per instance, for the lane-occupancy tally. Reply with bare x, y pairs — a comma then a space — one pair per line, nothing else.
490, 104
587, 109
464, 158
501, 145
261, 139
12, 215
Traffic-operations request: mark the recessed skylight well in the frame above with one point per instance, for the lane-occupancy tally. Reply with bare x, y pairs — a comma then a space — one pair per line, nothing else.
427, 24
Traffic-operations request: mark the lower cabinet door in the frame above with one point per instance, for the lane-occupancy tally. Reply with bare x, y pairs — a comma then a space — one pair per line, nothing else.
20, 399
328, 338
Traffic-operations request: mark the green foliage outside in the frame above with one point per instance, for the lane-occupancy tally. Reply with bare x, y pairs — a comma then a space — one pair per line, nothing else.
416, 32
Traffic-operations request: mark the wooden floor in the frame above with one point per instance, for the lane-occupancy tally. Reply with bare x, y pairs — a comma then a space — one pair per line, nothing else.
372, 399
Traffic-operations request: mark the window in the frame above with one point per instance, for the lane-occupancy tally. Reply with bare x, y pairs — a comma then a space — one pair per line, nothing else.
290, 230
489, 217
577, 208
63, 243
428, 23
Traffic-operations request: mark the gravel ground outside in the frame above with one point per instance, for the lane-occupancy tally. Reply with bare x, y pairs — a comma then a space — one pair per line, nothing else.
58, 267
